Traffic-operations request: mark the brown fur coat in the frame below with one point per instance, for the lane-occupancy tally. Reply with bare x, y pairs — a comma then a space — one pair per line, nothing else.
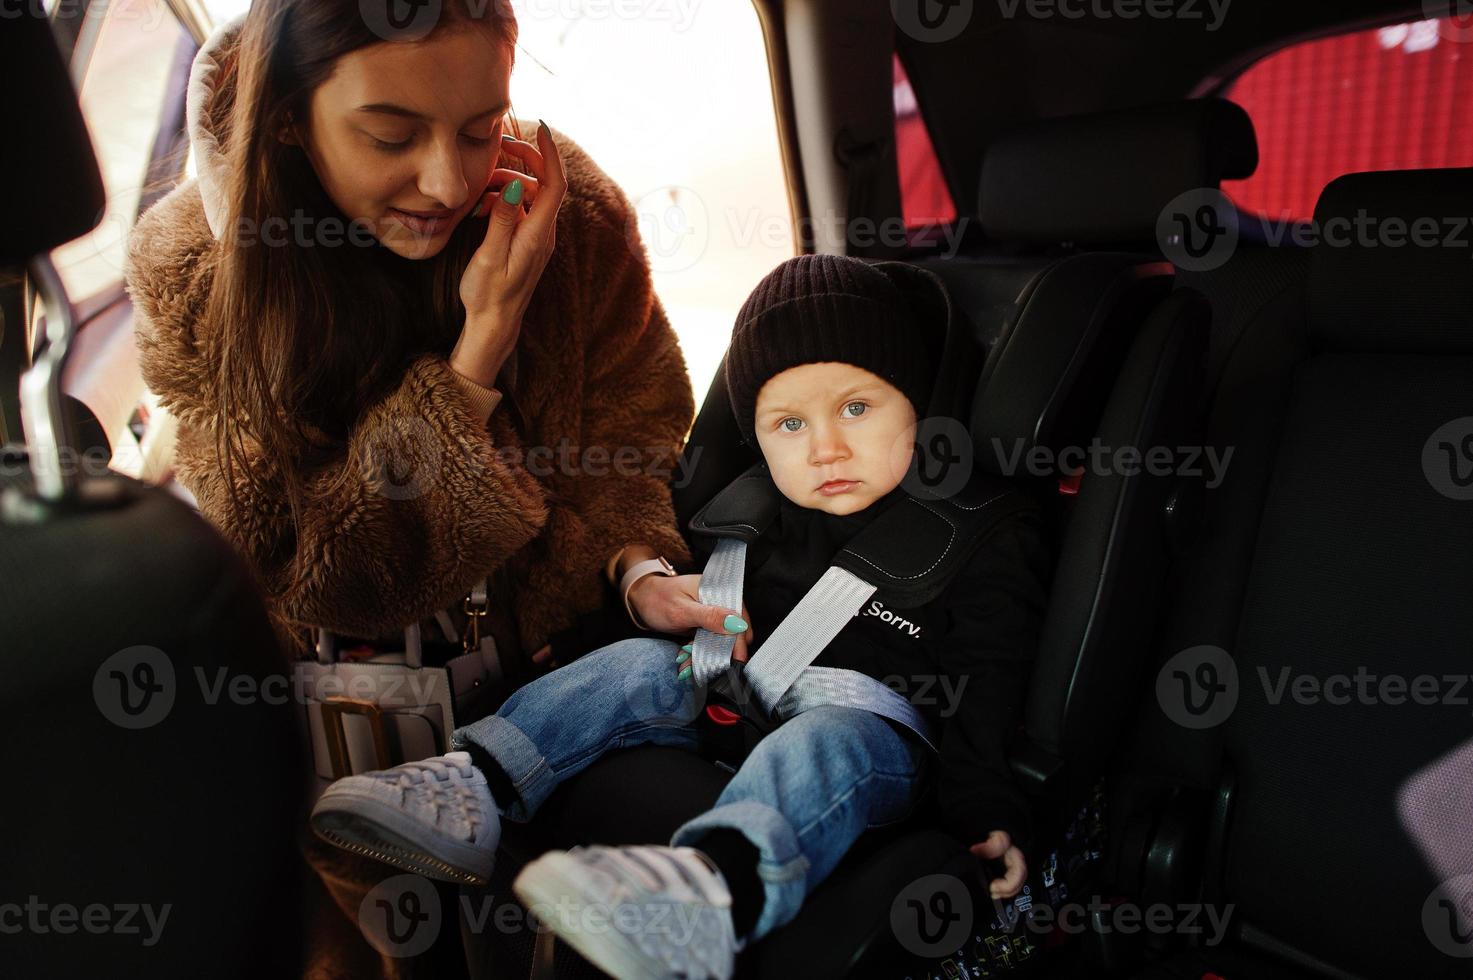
597, 365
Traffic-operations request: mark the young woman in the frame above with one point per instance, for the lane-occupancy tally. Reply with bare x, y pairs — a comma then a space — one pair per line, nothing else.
406, 348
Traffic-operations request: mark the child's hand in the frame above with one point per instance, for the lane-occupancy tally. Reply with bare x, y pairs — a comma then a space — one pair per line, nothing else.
999, 845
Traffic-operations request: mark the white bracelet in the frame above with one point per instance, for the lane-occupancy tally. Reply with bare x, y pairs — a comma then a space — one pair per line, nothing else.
654, 566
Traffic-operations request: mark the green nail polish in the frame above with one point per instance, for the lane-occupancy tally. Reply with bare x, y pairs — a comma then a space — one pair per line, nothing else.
687, 647
683, 674
734, 624
682, 658
513, 192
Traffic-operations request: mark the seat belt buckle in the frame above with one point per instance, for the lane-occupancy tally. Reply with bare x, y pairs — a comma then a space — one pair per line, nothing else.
722, 716
722, 734
1069, 482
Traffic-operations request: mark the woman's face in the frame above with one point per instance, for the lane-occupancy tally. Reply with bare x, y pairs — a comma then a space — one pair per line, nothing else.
404, 136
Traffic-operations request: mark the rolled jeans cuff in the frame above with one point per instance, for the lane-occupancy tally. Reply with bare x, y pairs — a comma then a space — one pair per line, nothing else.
519, 758
781, 865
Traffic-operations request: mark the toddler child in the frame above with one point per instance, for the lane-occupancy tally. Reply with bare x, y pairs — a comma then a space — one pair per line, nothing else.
829, 367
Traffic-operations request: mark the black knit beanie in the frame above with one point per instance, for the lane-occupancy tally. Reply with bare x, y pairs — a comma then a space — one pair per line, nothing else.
877, 316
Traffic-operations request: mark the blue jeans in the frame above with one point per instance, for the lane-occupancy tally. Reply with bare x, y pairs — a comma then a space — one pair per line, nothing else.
802, 796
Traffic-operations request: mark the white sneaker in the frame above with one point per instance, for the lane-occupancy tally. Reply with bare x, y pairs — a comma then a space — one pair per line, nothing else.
638, 913
435, 817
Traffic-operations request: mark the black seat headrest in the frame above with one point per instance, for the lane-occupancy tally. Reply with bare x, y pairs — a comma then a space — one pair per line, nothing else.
1105, 178
52, 189
1392, 264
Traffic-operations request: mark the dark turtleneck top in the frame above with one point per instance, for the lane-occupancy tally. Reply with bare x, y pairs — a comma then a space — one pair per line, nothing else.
962, 659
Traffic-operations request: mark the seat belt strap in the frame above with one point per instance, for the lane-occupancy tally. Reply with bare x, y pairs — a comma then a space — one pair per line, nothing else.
781, 677
721, 586
819, 686
802, 635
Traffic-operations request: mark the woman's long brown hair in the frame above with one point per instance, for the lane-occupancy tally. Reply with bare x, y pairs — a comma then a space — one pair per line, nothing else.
308, 337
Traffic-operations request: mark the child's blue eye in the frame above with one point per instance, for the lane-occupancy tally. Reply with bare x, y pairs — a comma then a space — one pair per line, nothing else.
791, 428
859, 405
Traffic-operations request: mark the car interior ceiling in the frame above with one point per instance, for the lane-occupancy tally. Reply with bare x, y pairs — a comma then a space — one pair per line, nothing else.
1070, 325
1001, 71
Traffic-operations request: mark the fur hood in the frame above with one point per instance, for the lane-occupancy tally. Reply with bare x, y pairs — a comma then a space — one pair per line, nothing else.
597, 369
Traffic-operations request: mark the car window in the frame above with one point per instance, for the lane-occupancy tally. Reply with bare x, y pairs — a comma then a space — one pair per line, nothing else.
674, 101
123, 90
924, 196
1389, 98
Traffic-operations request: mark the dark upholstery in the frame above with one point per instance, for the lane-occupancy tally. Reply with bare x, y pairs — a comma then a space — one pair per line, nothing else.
1049, 372
197, 811
1330, 550
1104, 178
1381, 291
1360, 563
47, 151
151, 749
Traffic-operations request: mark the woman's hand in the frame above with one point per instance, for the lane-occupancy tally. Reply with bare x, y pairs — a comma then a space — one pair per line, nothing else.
672, 604
1015, 867
499, 280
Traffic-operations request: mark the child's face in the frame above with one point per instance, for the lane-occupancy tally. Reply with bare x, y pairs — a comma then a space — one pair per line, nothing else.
836, 437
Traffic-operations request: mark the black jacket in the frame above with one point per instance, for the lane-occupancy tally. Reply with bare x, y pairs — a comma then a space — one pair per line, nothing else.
963, 659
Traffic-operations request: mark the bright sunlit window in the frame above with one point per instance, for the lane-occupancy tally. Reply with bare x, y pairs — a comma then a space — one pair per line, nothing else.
676, 104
